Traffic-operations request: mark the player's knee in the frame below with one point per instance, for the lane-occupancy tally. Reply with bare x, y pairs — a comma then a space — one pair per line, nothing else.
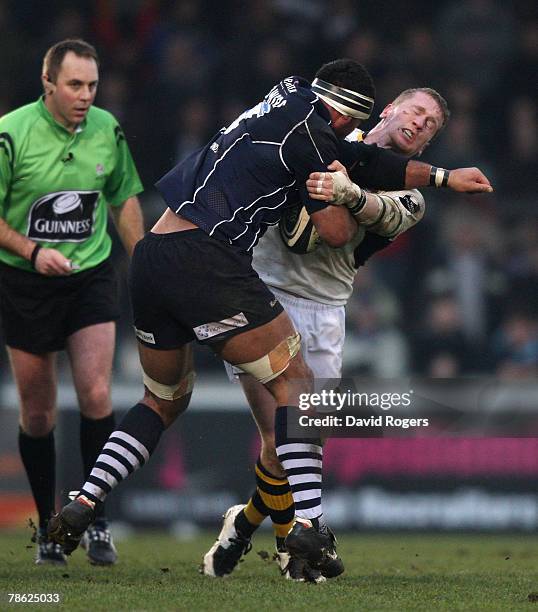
168, 410
36, 396
275, 362
95, 400
37, 424
299, 374
299, 370
173, 392
169, 401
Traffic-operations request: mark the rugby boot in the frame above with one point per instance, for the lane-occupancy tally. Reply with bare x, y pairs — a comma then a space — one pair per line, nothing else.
297, 570
48, 552
333, 566
98, 544
222, 558
315, 546
68, 526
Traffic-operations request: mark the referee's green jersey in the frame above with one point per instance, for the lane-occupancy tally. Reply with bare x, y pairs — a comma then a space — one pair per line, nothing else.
55, 185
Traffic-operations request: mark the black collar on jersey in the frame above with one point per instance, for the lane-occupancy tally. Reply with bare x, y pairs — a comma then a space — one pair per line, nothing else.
347, 102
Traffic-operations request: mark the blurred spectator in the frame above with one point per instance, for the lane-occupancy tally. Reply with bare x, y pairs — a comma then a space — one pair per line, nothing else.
477, 39
440, 348
466, 268
300, 21
339, 22
182, 70
71, 22
521, 263
114, 95
522, 140
271, 62
422, 59
14, 61
461, 146
515, 346
522, 69
194, 121
374, 344
365, 46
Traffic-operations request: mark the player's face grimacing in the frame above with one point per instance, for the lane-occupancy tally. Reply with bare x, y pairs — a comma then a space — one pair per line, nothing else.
70, 97
412, 123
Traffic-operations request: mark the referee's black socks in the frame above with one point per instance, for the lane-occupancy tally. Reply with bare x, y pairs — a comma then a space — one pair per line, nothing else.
39, 459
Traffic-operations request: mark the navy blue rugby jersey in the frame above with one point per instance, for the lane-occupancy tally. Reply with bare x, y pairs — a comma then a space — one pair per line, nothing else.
240, 182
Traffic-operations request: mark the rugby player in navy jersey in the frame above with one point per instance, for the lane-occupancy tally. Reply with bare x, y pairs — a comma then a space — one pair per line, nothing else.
314, 287
192, 279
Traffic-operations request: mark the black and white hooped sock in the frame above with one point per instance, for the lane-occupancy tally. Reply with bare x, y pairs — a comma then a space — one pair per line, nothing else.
127, 449
302, 461
94, 434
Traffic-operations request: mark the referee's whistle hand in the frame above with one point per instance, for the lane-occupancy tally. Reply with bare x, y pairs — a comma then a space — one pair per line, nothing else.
51, 262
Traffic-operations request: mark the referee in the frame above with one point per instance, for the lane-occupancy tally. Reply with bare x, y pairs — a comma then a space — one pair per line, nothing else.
62, 161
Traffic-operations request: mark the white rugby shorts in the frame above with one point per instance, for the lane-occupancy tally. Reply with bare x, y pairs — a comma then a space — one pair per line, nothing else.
322, 329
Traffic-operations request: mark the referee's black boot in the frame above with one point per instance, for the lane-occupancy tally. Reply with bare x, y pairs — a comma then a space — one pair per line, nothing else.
98, 544
48, 552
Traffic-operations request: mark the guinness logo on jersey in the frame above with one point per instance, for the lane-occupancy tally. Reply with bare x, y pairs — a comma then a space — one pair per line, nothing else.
64, 216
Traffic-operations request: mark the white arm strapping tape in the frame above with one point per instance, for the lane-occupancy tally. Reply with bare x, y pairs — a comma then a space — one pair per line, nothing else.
344, 190
397, 212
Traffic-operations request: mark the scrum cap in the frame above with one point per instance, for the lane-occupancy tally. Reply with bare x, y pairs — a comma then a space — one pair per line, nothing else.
346, 102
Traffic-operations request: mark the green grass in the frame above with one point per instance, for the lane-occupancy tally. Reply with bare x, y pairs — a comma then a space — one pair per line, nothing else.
383, 572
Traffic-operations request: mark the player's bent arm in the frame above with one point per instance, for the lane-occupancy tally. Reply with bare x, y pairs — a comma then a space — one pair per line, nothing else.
377, 168
330, 186
129, 222
15, 242
45, 261
397, 211
386, 214
336, 187
334, 225
465, 180
389, 214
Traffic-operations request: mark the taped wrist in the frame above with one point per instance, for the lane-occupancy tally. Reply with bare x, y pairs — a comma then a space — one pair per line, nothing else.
346, 193
439, 177
356, 206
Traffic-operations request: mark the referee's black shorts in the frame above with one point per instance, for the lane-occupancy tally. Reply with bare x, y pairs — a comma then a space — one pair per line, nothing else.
40, 312
188, 286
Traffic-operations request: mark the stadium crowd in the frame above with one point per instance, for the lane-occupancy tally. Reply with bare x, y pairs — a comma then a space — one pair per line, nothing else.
457, 294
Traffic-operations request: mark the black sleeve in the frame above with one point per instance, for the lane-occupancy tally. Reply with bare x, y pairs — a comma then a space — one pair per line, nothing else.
309, 148
372, 166
370, 244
